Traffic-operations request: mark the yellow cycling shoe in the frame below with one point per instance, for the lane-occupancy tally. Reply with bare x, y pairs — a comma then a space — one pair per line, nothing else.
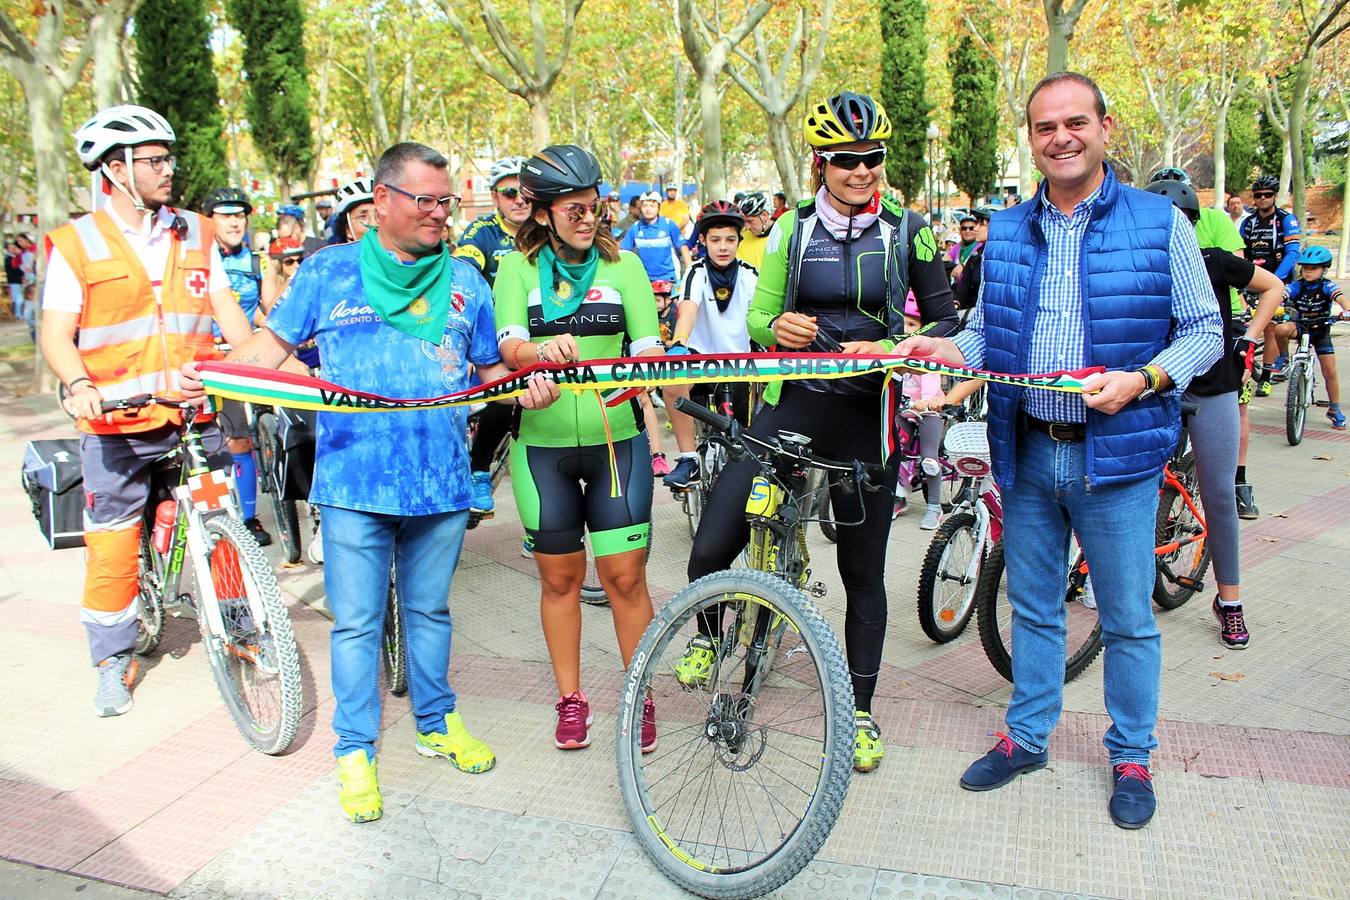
358, 788
465, 752
867, 747
694, 666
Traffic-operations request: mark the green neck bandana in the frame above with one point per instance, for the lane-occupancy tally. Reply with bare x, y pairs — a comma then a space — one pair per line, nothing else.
563, 285
412, 297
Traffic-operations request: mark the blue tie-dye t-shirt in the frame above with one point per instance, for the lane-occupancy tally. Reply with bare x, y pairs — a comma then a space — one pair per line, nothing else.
409, 462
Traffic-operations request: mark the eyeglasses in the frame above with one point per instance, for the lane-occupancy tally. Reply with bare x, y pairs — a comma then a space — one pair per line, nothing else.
364, 217
156, 163
967, 227
425, 202
509, 193
291, 261
843, 159
1263, 195
576, 212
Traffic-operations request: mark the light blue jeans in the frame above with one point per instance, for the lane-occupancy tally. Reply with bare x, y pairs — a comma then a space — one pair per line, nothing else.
1048, 502
357, 549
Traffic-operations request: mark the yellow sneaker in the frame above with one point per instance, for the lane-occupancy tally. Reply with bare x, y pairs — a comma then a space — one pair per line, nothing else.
358, 788
867, 747
465, 752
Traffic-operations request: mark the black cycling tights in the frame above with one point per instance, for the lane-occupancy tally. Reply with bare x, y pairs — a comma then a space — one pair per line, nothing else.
493, 424
841, 427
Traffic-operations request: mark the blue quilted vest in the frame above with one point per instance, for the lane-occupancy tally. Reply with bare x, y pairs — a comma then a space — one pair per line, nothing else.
1127, 315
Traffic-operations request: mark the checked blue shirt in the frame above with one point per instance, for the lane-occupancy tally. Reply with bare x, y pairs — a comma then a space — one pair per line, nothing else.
1057, 343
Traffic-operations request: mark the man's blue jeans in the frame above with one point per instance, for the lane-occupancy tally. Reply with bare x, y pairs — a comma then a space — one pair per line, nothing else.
357, 549
1049, 500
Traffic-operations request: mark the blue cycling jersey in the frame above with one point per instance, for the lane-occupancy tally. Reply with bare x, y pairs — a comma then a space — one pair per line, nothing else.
658, 245
484, 243
245, 273
1272, 243
1312, 299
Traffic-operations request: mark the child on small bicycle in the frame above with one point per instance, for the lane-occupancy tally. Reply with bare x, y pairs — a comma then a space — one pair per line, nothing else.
924, 392
1312, 296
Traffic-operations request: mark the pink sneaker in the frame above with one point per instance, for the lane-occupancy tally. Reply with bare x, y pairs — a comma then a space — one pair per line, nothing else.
574, 720
648, 726
660, 468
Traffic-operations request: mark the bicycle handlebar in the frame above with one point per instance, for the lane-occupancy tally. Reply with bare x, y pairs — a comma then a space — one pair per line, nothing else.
140, 401
698, 411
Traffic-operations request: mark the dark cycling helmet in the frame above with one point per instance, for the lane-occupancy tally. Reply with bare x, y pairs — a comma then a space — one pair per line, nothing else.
290, 209
1171, 173
1266, 183
984, 213
226, 197
1315, 256
1180, 193
718, 212
844, 118
754, 203
558, 170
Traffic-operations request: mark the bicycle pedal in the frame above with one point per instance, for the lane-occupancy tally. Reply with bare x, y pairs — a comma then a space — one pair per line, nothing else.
817, 589
1189, 583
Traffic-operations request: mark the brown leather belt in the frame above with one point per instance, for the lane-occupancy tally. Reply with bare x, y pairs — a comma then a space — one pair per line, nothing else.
1058, 431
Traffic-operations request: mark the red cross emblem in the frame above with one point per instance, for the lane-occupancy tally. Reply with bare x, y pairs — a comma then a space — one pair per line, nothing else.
196, 283
208, 490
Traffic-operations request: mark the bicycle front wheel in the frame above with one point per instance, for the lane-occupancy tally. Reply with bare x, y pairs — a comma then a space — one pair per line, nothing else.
946, 581
149, 598
255, 662
287, 515
1180, 571
755, 751
1295, 405
395, 650
993, 615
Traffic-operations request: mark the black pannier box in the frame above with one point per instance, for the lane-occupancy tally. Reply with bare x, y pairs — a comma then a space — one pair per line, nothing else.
51, 478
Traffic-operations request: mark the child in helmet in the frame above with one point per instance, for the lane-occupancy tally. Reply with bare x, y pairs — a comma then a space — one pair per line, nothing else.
1310, 296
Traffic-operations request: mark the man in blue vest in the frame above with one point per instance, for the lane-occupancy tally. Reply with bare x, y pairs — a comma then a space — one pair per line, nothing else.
1088, 272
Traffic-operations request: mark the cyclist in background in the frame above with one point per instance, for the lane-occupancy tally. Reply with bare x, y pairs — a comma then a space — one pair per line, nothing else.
674, 208
836, 271
576, 466
657, 241
711, 319
355, 213
486, 241
755, 207
1314, 295
160, 284
228, 209
967, 287
1272, 238
1214, 430
290, 229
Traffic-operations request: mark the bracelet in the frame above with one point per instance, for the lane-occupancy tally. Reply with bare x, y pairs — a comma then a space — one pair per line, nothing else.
71, 387
682, 338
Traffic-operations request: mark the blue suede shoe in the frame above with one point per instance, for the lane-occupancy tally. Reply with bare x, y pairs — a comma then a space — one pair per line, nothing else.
1132, 800
1001, 765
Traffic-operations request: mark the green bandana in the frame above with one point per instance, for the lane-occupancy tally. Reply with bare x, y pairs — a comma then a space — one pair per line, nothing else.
413, 297
573, 280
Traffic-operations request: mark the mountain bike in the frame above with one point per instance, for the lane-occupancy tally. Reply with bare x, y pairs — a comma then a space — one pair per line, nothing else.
1302, 373
246, 630
755, 752
283, 442
712, 459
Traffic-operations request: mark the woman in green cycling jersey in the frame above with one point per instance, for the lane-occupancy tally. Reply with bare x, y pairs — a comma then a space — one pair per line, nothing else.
568, 294
835, 275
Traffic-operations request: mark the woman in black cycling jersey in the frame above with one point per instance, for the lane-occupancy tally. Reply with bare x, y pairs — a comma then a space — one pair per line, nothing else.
836, 273
567, 294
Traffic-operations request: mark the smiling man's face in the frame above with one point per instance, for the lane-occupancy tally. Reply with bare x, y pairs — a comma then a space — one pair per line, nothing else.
1068, 137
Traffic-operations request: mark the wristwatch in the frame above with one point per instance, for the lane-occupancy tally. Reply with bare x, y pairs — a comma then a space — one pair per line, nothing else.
1150, 382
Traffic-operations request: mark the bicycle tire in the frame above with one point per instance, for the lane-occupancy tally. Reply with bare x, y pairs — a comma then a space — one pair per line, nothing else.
939, 619
1174, 517
149, 599
236, 566
285, 511
820, 509
394, 648
821, 656
592, 591
1295, 410
991, 630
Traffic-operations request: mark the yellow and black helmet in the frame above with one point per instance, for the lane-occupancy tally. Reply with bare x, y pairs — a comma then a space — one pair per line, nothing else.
844, 118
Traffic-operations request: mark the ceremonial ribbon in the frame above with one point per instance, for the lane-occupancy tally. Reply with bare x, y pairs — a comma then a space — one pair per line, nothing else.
270, 387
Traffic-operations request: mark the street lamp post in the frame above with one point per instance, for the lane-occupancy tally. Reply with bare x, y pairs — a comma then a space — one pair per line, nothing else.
934, 179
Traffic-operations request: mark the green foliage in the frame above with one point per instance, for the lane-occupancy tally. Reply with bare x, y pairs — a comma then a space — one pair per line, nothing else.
972, 144
278, 96
1240, 147
903, 48
179, 82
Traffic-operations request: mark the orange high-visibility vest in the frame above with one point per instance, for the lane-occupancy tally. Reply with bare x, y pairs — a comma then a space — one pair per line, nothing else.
130, 343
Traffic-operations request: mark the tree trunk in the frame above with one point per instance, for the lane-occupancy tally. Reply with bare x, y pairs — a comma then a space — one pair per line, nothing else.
1057, 47
539, 124
1286, 171
1025, 165
53, 185
780, 141
710, 107
106, 33
1298, 107
1345, 197
1220, 148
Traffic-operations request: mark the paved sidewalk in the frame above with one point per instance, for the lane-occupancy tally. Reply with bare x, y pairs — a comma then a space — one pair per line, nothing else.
1253, 773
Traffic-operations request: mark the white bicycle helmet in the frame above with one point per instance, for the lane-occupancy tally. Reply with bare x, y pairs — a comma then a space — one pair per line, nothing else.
504, 168
754, 203
650, 195
359, 190
119, 126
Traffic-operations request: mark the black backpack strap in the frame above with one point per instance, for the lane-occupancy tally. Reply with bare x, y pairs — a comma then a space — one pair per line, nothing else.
804, 211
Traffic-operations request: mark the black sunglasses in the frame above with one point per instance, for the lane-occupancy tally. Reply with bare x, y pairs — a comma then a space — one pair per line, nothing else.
844, 159
509, 193
1262, 195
